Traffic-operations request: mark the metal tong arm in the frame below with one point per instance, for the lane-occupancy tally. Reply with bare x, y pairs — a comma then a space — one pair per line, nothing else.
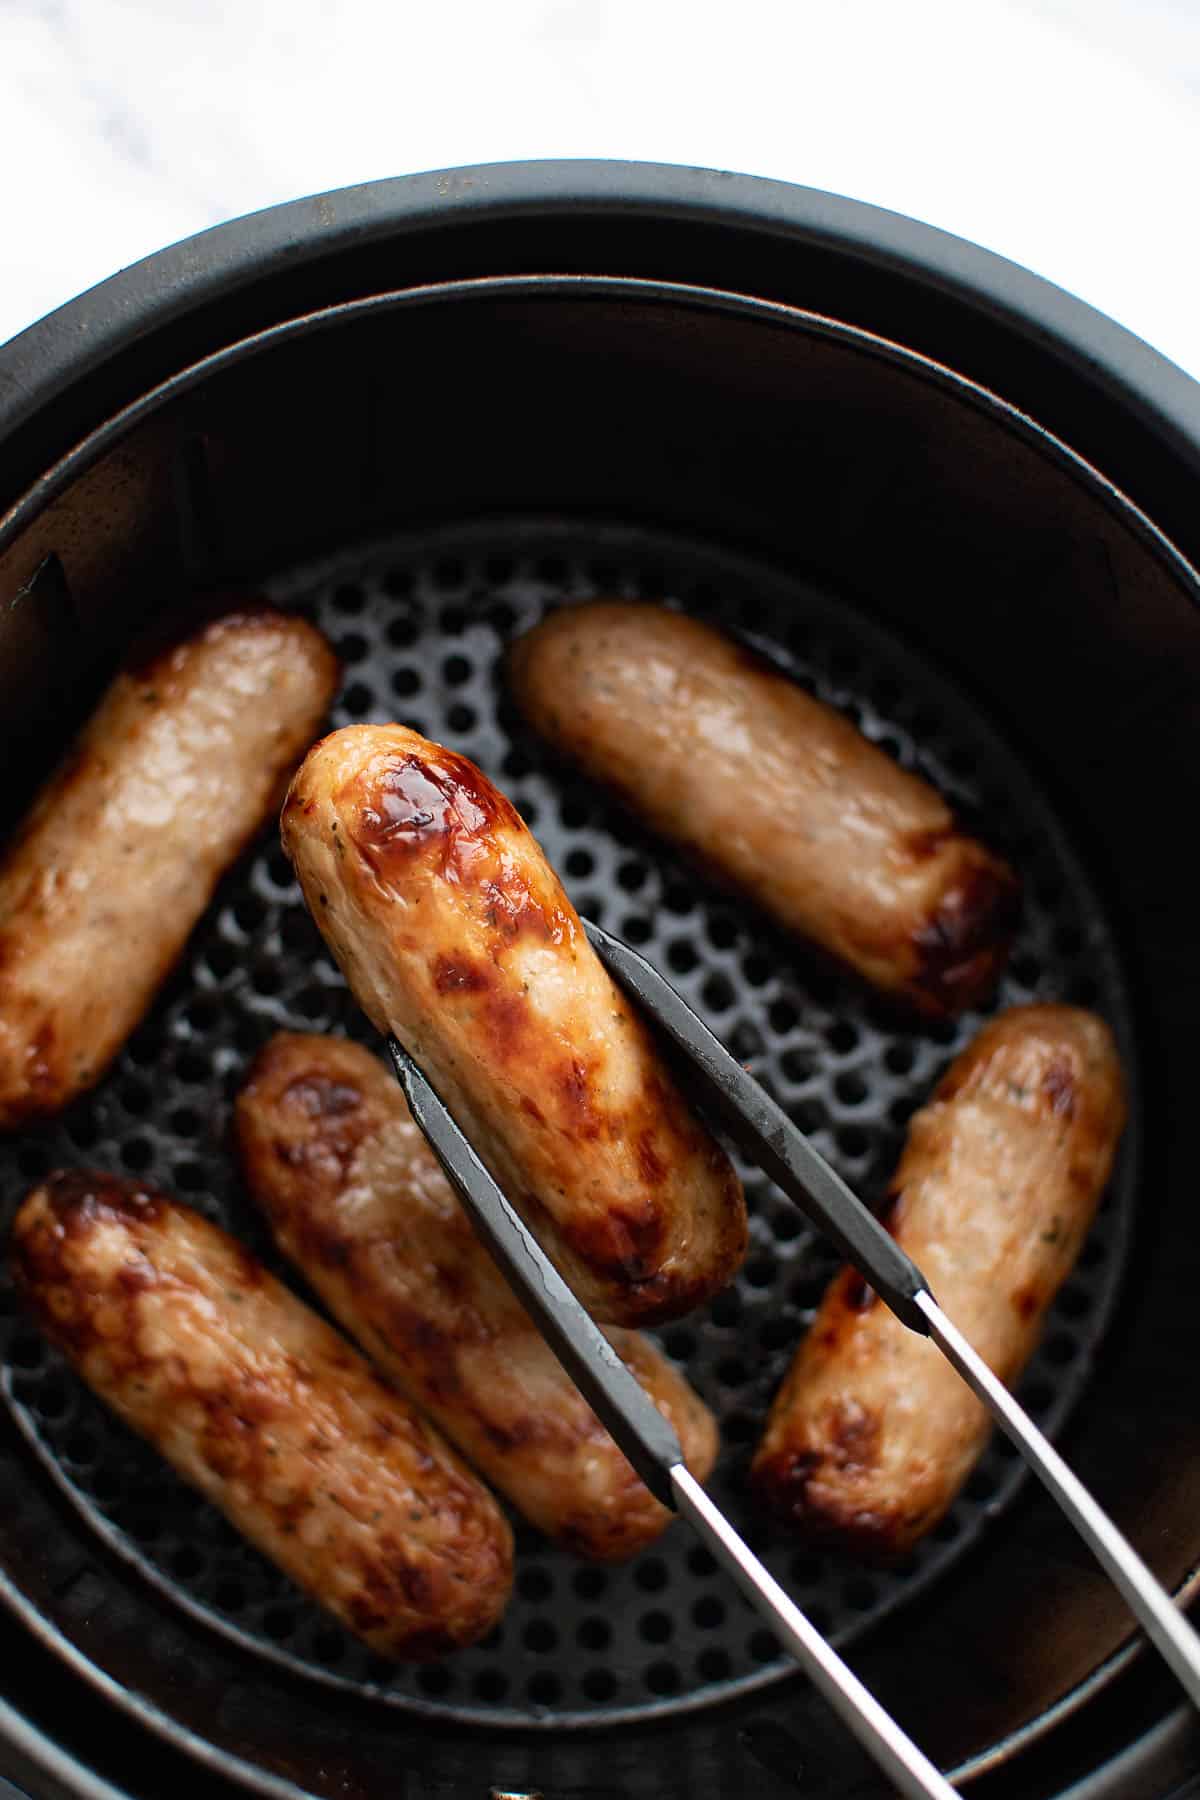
1148, 1600
768, 1136
770, 1139
624, 1407
616, 1396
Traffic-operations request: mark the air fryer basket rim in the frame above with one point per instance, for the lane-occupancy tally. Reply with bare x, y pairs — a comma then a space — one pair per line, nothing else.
89, 342
88, 450
62, 352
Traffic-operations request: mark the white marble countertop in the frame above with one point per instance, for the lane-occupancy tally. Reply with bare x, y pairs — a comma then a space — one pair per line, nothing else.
1062, 133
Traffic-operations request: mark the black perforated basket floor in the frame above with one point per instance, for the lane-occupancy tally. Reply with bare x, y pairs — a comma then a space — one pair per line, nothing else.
421, 624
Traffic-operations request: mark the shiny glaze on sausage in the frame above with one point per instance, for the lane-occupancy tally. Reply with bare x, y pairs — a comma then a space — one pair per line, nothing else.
264, 1408
357, 1202
456, 935
872, 1433
175, 772
773, 792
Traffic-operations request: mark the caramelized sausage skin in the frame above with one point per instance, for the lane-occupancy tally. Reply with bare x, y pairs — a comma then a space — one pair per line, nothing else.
177, 769
774, 793
265, 1409
456, 935
872, 1434
357, 1202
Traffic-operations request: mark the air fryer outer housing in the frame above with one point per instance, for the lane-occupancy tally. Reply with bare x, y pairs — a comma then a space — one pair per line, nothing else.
785, 372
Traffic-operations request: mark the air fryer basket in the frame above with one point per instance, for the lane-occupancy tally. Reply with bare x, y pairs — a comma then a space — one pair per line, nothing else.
422, 624
424, 472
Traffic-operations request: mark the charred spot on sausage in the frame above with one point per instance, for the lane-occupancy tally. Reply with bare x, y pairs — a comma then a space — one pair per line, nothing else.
318, 1096
968, 934
1060, 1086
457, 975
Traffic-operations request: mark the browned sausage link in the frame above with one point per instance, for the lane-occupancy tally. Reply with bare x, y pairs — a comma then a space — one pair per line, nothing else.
265, 1409
773, 792
356, 1200
454, 932
175, 772
872, 1434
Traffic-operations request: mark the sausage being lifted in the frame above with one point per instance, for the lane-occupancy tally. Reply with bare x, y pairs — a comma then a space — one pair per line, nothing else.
265, 1409
357, 1201
873, 1433
456, 935
174, 773
774, 792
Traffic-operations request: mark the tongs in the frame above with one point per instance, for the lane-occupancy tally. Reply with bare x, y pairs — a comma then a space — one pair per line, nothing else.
768, 1137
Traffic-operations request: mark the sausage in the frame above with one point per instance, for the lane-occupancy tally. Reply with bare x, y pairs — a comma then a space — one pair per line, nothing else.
456, 935
174, 773
264, 1408
357, 1202
872, 1433
773, 793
